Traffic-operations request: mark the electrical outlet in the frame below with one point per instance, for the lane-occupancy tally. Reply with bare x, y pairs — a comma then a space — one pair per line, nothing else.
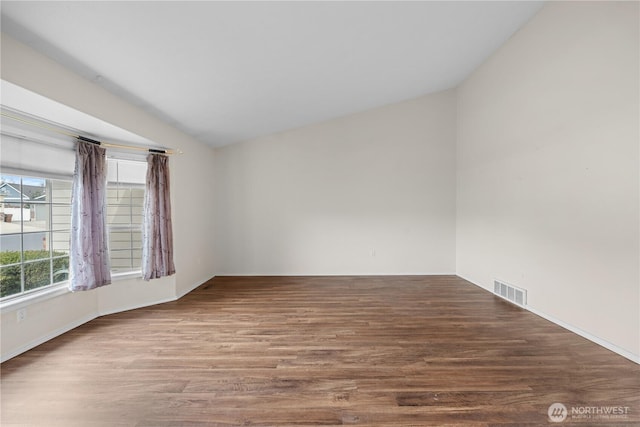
21, 314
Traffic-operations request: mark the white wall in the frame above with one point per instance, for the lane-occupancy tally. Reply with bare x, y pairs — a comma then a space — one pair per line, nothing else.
547, 161
370, 193
191, 175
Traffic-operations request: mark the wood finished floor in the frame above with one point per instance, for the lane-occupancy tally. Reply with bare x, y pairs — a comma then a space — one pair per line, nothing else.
377, 351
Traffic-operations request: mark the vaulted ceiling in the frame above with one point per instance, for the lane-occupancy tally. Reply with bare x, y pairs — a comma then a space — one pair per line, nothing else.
230, 71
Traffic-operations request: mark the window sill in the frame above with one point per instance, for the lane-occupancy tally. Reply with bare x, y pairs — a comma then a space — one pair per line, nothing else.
35, 297
127, 275
54, 291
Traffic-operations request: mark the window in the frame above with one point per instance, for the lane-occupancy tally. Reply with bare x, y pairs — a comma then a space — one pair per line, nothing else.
124, 225
35, 224
35, 207
35, 221
125, 203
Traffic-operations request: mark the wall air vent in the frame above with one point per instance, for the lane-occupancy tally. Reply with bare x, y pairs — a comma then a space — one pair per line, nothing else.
511, 293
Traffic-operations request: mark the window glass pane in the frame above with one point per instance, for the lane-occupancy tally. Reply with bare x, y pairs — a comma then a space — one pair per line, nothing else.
9, 280
35, 245
10, 204
60, 269
61, 217
121, 260
136, 237
124, 194
124, 218
7, 226
10, 246
137, 195
14, 215
37, 274
136, 214
136, 256
10, 189
34, 190
120, 240
60, 242
114, 196
36, 217
118, 216
31, 254
60, 191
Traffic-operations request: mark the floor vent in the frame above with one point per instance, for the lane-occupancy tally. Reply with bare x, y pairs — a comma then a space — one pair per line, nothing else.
511, 293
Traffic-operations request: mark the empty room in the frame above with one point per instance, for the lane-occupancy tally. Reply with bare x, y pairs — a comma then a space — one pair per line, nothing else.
278, 213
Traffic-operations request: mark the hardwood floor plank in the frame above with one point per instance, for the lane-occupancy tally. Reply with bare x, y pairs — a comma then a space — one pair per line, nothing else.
287, 351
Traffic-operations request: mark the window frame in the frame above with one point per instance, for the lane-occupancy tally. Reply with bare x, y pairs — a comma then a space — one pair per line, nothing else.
48, 232
130, 227
54, 289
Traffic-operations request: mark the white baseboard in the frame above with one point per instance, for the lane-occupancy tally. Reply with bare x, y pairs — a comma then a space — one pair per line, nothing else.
135, 306
193, 287
584, 334
49, 336
329, 274
604, 343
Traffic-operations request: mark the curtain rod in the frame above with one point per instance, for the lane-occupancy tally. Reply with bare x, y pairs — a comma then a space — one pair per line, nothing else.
93, 141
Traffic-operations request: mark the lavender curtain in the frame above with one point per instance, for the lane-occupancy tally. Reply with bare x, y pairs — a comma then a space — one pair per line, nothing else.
157, 235
89, 264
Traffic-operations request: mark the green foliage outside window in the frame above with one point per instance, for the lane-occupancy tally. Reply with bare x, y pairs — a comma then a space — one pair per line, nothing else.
36, 274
